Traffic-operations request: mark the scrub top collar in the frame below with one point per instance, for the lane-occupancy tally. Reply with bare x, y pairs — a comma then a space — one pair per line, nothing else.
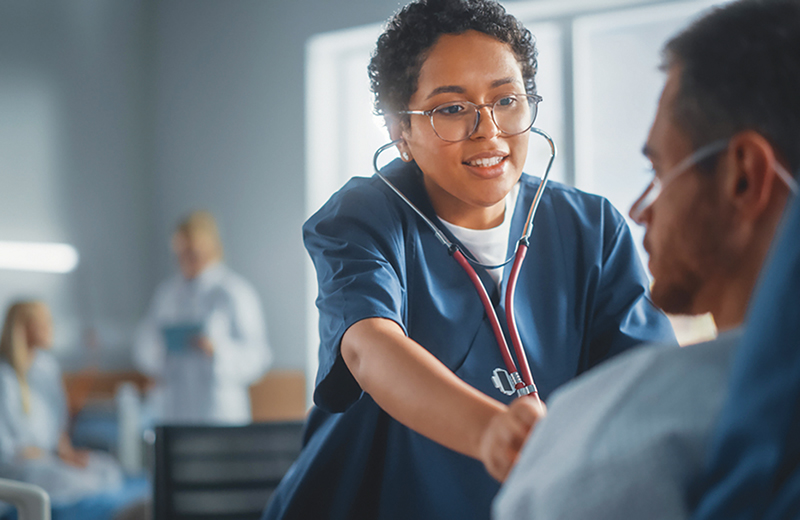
409, 179
412, 185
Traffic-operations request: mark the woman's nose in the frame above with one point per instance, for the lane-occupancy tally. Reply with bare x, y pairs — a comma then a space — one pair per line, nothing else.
486, 129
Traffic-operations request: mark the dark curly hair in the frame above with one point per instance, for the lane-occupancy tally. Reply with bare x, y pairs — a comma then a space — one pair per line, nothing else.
410, 34
740, 70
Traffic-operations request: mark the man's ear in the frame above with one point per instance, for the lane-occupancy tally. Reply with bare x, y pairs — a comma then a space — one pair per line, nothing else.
751, 176
396, 132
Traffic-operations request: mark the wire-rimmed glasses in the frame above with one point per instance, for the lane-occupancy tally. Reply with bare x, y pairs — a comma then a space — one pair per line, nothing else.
656, 186
458, 120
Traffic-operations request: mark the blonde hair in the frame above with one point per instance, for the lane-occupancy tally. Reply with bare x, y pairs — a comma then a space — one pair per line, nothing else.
200, 223
14, 347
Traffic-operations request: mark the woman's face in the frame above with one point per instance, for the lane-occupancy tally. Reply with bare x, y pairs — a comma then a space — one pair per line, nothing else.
467, 181
40, 327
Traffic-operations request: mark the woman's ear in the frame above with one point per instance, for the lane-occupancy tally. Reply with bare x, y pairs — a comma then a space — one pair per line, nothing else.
397, 134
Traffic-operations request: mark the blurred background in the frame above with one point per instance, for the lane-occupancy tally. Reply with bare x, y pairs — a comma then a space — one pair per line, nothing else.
118, 117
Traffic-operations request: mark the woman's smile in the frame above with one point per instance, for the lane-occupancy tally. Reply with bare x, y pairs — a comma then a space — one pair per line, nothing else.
487, 164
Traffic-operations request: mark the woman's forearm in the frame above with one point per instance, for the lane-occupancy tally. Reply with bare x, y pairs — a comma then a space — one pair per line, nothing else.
415, 388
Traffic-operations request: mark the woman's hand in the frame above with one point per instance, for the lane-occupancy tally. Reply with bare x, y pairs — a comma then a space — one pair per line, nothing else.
506, 434
31, 453
71, 456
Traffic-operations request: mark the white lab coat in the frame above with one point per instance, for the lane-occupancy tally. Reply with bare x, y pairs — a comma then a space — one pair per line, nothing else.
193, 387
42, 427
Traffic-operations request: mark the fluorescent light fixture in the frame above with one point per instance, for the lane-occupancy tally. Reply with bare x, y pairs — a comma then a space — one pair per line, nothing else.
47, 257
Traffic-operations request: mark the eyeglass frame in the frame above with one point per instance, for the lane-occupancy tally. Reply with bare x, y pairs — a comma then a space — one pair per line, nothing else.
536, 100
656, 186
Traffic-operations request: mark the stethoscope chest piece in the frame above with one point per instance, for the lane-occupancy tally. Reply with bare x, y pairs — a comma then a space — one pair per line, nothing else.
502, 381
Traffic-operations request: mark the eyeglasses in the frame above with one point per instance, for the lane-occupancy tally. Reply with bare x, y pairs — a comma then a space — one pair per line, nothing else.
656, 186
458, 120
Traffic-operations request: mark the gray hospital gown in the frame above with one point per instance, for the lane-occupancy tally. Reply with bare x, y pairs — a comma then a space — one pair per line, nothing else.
625, 440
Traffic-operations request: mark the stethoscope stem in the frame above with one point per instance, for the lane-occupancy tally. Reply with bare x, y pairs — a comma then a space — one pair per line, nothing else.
539, 192
487, 304
516, 341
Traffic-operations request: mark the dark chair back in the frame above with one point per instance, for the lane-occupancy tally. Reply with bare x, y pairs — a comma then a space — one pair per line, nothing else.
221, 472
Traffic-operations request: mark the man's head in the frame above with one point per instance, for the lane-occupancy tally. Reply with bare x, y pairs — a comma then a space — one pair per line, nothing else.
196, 243
731, 98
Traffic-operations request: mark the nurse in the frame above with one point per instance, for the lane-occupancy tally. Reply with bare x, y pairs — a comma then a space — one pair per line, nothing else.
34, 445
408, 423
204, 337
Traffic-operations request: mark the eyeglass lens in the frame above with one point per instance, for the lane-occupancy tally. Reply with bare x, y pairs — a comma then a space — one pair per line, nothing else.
459, 120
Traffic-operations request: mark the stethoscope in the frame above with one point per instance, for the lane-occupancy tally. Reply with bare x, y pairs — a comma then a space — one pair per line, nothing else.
508, 381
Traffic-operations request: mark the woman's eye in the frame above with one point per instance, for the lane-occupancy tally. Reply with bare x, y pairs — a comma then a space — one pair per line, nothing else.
450, 110
506, 101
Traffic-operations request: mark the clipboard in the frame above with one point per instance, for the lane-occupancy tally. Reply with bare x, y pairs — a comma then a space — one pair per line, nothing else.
178, 338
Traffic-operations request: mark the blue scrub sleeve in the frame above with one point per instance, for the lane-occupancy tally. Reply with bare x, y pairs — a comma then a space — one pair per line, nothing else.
754, 456
624, 315
359, 254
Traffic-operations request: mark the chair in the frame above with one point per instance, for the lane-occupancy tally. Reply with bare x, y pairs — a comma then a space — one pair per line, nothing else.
221, 472
32, 502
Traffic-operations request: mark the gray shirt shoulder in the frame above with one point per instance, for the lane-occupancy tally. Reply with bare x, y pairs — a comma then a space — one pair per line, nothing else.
623, 440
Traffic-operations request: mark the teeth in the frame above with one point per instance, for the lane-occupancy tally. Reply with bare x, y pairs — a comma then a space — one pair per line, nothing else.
484, 163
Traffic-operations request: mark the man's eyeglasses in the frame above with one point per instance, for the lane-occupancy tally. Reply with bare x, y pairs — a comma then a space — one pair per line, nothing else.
657, 185
458, 120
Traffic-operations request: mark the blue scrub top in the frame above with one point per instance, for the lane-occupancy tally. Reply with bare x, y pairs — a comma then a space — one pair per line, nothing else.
581, 297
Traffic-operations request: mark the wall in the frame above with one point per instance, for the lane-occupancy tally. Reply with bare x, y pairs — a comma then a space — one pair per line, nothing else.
229, 136
73, 160
118, 117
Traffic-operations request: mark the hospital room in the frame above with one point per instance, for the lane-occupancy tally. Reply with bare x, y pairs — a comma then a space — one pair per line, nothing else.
399, 259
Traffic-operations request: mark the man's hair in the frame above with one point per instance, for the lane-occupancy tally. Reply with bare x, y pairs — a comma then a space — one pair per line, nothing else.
415, 29
741, 71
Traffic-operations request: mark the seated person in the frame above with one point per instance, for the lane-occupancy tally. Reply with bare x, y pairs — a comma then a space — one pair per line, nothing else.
628, 439
34, 445
753, 470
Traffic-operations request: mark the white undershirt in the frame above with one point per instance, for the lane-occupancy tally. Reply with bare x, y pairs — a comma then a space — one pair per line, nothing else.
489, 246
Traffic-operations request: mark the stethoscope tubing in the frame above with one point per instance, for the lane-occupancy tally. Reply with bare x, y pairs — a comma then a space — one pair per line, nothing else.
522, 378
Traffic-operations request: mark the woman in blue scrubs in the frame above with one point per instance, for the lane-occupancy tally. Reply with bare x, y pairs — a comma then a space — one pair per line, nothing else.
408, 423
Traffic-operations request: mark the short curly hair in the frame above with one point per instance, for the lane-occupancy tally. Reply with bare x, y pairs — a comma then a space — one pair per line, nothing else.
413, 31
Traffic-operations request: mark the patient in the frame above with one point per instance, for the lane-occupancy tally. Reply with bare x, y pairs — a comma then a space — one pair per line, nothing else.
34, 445
628, 439
754, 469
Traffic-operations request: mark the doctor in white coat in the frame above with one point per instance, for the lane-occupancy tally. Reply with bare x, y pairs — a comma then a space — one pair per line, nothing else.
204, 337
